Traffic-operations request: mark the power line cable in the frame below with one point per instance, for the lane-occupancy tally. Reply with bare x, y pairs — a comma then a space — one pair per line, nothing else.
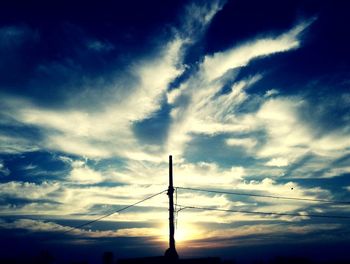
117, 211
266, 196
183, 207
176, 210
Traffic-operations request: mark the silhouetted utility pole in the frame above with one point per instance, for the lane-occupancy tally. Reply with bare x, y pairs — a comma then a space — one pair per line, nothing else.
171, 251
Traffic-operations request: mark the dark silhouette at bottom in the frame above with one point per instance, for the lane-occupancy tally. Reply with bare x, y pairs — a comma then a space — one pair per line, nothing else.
161, 260
171, 254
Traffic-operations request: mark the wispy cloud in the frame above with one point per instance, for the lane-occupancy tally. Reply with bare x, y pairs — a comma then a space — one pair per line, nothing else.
81, 173
198, 105
3, 169
197, 17
14, 36
84, 133
47, 226
28, 190
16, 145
278, 162
256, 235
214, 66
107, 131
100, 46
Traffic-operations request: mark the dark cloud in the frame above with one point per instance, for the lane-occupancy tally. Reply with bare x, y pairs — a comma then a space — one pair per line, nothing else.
24, 245
63, 59
154, 130
35, 167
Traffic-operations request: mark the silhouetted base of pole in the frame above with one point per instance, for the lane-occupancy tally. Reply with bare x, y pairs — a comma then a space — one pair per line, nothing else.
171, 254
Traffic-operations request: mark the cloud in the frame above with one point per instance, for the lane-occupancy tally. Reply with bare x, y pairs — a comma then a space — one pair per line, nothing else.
331, 172
216, 65
289, 138
278, 162
209, 174
100, 46
71, 200
15, 145
257, 234
271, 92
33, 225
81, 173
197, 18
291, 189
28, 190
239, 203
3, 170
262, 135
205, 112
137, 232
82, 132
155, 76
107, 130
199, 106
48, 226
247, 143
12, 37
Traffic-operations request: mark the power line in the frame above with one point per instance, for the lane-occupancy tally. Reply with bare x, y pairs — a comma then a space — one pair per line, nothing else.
183, 207
267, 196
117, 211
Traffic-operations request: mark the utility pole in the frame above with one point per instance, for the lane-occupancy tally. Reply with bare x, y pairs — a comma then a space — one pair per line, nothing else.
171, 251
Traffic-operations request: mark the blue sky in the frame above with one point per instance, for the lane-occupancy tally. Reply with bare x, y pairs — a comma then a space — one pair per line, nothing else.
248, 96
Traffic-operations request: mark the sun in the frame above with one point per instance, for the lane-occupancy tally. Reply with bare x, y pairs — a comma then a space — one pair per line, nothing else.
186, 232
181, 235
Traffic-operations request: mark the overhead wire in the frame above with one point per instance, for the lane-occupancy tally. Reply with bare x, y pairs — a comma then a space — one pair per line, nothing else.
265, 196
176, 210
183, 207
113, 212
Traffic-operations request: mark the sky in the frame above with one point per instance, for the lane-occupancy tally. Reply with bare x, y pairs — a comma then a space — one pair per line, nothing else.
248, 96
